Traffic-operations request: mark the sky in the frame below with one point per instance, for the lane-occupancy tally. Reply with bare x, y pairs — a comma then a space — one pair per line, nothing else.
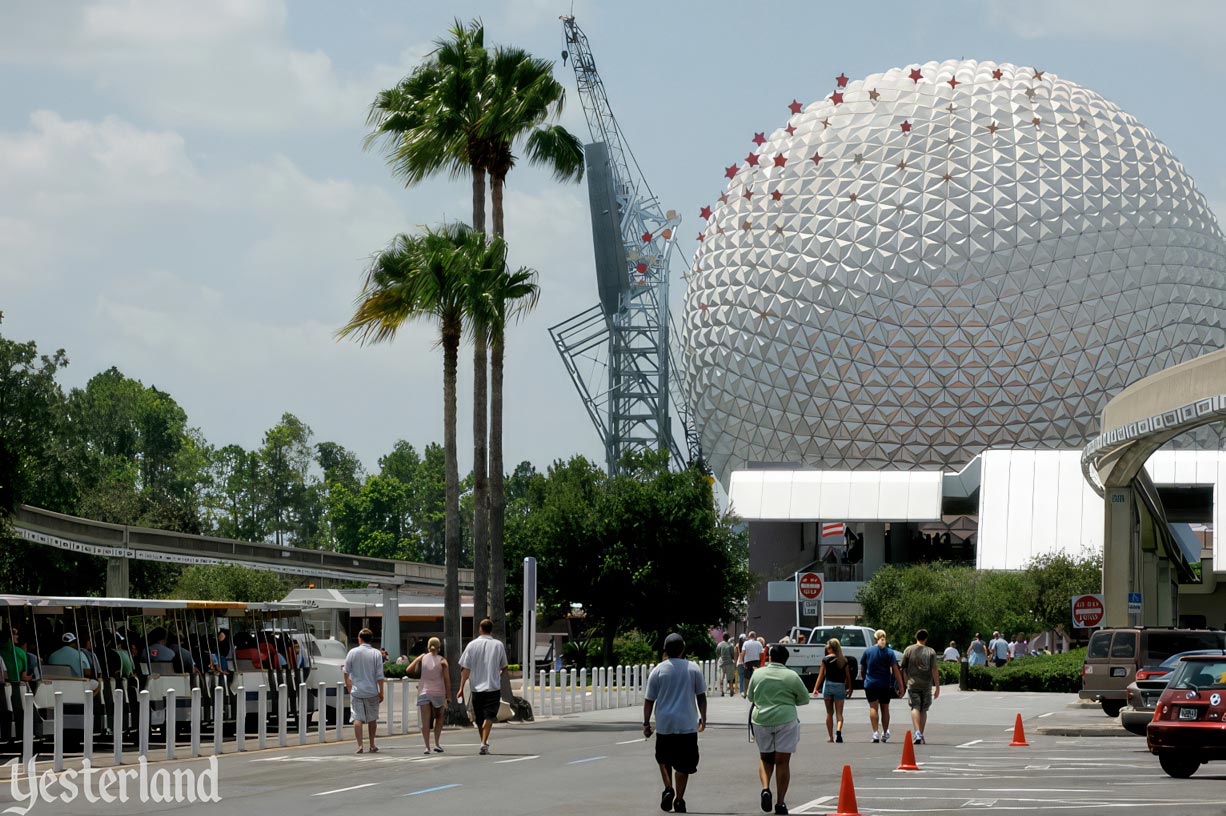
184, 192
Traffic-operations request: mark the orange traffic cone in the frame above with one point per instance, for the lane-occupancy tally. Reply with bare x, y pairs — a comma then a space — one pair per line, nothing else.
908, 755
1019, 735
847, 795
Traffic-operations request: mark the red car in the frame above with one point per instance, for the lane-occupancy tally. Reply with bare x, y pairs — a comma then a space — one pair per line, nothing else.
1189, 724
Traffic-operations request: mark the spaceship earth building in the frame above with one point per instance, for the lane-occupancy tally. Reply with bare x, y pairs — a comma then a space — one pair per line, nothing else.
939, 259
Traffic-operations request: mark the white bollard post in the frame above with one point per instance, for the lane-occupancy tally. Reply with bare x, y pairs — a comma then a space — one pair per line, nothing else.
553, 690
58, 755
168, 725
340, 710
638, 673
576, 696
195, 722
261, 715
87, 746
219, 718
404, 704
118, 726
282, 713
240, 719
617, 685
142, 737
582, 690
540, 697
389, 697
304, 715
27, 728
322, 712
568, 690
599, 689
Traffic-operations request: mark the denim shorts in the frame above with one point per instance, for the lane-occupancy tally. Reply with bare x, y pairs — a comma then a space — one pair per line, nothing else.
834, 691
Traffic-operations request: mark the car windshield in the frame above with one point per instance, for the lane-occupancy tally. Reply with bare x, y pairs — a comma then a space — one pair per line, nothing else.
1172, 661
1199, 674
847, 637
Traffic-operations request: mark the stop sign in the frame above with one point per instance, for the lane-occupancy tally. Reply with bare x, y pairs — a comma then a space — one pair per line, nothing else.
810, 586
1088, 611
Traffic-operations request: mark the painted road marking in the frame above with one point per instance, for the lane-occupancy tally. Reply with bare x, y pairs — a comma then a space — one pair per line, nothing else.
587, 759
969, 744
516, 759
342, 790
430, 790
1048, 714
805, 808
631, 742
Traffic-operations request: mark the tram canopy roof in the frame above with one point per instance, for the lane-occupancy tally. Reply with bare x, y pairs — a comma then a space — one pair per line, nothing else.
144, 605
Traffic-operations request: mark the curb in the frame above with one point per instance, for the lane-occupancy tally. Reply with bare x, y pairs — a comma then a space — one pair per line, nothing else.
1105, 730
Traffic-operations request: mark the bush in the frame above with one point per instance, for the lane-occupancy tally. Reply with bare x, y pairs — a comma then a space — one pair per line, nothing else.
632, 649
1051, 673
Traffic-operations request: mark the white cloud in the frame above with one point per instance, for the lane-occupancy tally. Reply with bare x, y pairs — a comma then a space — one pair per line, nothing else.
227, 65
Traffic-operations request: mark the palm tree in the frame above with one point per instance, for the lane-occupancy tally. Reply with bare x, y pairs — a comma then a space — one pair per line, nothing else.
513, 294
522, 99
425, 277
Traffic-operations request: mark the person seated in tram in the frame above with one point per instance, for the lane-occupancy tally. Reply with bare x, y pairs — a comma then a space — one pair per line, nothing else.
221, 658
184, 663
258, 651
68, 655
157, 652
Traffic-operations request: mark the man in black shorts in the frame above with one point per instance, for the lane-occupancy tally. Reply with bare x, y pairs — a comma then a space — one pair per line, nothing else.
484, 660
882, 682
677, 691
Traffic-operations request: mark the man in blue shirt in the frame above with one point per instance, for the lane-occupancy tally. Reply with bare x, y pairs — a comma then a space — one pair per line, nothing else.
68, 655
879, 686
677, 691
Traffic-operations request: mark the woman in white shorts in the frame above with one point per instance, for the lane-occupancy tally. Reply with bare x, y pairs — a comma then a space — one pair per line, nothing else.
433, 692
776, 691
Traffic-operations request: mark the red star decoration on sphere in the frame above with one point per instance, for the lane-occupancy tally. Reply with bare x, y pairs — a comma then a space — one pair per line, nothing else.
705, 212
1039, 74
780, 160
853, 197
730, 171
642, 268
953, 83
992, 128
759, 138
997, 74
748, 194
790, 130
752, 159
646, 237
915, 75
906, 127
795, 106
723, 198
700, 237
817, 158
1036, 121
836, 98
841, 80
874, 94
702, 306
825, 123
775, 194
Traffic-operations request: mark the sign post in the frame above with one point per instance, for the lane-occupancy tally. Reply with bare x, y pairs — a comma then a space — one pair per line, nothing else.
527, 657
1088, 611
1134, 605
809, 594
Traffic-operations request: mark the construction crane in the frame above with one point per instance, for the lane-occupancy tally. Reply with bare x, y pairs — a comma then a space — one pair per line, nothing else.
618, 352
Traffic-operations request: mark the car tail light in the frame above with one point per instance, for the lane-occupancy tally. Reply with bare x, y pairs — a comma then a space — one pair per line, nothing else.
1145, 674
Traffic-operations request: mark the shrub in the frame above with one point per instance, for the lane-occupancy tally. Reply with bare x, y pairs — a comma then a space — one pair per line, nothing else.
1051, 673
632, 649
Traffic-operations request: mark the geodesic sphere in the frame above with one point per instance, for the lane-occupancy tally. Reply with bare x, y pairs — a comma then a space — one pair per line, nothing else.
940, 259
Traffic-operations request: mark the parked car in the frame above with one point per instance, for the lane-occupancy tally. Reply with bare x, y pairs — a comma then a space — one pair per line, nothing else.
1143, 693
1189, 725
806, 658
1114, 656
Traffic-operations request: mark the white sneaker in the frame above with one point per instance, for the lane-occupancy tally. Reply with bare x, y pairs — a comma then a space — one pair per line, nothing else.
876, 738
885, 736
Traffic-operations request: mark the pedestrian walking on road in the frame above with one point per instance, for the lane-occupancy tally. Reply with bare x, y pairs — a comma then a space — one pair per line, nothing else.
433, 692
998, 649
484, 660
882, 683
364, 682
776, 691
751, 656
677, 692
834, 686
726, 653
740, 664
952, 655
977, 652
919, 665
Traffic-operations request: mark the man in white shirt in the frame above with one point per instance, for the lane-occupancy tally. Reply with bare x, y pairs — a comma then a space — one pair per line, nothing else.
364, 682
484, 660
751, 657
677, 691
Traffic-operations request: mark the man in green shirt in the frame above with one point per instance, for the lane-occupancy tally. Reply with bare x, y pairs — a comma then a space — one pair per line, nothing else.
17, 669
776, 691
725, 652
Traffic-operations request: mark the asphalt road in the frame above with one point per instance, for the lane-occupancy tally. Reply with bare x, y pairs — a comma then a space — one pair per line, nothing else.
598, 763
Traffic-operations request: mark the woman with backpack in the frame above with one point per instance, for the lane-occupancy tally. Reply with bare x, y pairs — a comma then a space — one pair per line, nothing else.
834, 686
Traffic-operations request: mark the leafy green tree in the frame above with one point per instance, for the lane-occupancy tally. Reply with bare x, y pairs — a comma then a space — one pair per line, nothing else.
235, 502
1055, 579
340, 466
229, 583
290, 497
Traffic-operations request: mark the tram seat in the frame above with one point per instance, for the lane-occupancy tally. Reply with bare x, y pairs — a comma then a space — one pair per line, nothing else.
158, 685
73, 689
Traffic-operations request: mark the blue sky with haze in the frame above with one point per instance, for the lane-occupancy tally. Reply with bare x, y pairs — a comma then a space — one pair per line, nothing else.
184, 194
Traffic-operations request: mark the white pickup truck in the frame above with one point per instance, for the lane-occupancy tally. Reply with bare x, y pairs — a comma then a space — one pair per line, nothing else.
806, 658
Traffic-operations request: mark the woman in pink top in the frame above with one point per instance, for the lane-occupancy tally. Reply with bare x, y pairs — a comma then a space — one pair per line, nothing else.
433, 691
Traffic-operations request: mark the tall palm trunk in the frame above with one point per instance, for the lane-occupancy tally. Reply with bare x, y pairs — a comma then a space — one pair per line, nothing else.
451, 537
498, 502
478, 199
498, 181
481, 531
